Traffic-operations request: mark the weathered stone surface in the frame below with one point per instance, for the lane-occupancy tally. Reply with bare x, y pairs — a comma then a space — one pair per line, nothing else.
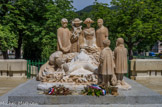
15, 68
137, 95
63, 37
89, 33
152, 73
17, 65
13, 65
17, 73
78, 105
142, 73
4, 73
71, 86
144, 68
148, 64
159, 73
34, 70
77, 38
3, 65
132, 62
101, 33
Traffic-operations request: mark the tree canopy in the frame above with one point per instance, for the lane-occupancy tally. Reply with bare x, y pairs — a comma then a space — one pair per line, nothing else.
32, 25
138, 22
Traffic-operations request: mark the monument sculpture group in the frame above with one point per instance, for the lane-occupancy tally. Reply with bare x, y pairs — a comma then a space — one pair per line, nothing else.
83, 57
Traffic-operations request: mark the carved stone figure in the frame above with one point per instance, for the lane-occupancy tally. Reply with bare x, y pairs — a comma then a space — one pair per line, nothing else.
101, 34
57, 62
86, 60
120, 54
89, 33
51, 66
77, 37
63, 37
106, 67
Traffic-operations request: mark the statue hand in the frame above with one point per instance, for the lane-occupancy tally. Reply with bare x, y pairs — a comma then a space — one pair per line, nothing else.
74, 38
78, 31
67, 49
64, 49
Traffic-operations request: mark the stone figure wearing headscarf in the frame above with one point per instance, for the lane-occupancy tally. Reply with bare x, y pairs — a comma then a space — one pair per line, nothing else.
120, 54
89, 33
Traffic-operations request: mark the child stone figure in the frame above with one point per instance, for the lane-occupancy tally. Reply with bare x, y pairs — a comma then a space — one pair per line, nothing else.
120, 54
106, 68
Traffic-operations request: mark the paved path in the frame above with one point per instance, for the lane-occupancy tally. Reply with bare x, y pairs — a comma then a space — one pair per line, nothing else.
152, 83
76, 105
7, 84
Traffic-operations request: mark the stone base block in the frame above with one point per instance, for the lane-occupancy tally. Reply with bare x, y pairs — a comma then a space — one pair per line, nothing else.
142, 73
147, 78
152, 73
158, 73
18, 74
80, 99
12, 74
4, 73
28, 93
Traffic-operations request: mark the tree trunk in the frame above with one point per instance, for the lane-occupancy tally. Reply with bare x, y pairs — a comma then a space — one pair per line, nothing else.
18, 52
130, 51
5, 55
18, 49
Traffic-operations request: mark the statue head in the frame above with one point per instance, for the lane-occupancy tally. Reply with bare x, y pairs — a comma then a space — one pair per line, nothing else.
100, 22
77, 22
119, 41
64, 22
88, 22
106, 43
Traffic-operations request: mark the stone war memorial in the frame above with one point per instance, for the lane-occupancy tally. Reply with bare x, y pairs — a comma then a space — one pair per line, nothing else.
80, 53
84, 71
83, 57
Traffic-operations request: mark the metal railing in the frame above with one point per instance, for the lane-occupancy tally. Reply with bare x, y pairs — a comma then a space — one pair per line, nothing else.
33, 67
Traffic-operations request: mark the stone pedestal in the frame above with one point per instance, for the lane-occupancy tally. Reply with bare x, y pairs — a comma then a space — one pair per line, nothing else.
27, 93
144, 68
13, 68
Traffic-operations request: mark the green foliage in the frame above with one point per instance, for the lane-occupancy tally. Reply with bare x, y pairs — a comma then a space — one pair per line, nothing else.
91, 91
34, 23
101, 10
138, 22
98, 92
7, 39
55, 12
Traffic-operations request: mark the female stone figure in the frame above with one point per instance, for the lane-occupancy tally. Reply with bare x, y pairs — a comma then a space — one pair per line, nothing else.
120, 54
77, 37
89, 33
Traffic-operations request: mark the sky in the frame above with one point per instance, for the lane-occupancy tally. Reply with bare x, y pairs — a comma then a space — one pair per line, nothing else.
80, 4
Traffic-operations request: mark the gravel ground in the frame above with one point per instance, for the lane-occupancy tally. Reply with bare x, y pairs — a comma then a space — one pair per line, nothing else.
7, 84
